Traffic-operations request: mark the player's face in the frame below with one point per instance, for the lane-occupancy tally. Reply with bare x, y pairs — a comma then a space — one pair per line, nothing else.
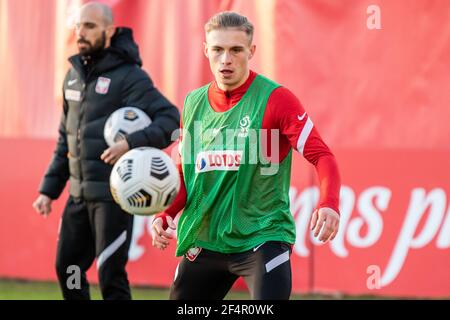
229, 51
92, 34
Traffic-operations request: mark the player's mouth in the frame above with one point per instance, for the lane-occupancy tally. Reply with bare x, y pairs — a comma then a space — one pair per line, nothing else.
82, 43
226, 72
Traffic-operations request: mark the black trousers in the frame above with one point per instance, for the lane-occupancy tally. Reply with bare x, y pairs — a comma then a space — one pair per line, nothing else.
92, 230
266, 270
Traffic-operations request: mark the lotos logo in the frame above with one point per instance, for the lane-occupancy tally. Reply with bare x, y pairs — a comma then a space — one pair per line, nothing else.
222, 160
201, 164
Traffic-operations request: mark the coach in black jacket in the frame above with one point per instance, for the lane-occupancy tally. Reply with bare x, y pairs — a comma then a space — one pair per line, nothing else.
104, 77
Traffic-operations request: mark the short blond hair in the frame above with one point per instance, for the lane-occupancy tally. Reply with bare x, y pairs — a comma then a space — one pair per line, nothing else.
229, 19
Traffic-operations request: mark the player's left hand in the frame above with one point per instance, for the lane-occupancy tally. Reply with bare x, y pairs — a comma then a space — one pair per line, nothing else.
113, 153
161, 238
329, 220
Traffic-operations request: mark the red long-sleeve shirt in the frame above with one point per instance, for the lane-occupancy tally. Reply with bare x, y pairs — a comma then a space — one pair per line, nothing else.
296, 130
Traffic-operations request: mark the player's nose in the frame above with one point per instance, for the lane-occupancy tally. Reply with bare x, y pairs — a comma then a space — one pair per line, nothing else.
226, 58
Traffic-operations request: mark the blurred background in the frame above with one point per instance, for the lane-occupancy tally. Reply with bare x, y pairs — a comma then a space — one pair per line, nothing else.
373, 76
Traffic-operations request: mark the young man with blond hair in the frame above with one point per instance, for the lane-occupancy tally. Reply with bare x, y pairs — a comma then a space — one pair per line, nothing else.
236, 220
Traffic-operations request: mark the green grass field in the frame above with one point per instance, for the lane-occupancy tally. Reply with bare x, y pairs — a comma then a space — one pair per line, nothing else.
32, 290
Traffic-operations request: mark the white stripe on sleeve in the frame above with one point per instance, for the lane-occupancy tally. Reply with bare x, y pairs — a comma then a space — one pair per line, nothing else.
303, 137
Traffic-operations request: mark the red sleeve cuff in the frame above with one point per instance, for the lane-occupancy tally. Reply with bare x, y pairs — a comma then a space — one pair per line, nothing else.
329, 182
163, 215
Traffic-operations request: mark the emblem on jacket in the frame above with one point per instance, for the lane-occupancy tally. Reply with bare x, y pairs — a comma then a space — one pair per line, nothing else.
102, 86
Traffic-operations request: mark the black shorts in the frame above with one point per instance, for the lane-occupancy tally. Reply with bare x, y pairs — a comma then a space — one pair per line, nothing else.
209, 275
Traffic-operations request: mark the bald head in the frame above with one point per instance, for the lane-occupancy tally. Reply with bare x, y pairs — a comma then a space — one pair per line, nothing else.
100, 10
94, 28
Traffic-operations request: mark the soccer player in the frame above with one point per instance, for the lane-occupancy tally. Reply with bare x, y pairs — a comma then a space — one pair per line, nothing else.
105, 75
236, 220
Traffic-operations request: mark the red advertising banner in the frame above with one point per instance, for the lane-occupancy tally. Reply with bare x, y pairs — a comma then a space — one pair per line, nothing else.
394, 234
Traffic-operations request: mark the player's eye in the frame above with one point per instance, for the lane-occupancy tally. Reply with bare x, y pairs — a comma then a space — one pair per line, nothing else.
87, 25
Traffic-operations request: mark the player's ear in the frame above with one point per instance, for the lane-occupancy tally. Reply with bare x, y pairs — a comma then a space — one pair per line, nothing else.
110, 30
205, 50
252, 51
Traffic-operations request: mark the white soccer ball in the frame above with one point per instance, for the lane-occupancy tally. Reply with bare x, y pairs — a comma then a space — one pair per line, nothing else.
144, 181
123, 122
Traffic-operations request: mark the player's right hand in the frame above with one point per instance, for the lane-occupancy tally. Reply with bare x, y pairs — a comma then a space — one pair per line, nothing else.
161, 238
43, 205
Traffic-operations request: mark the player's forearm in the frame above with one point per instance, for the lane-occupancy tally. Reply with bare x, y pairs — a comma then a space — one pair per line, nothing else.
329, 182
178, 203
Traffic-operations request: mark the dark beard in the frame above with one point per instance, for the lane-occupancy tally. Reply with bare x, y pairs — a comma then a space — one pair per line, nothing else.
95, 50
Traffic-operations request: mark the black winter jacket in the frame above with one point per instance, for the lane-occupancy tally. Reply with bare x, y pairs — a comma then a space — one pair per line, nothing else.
114, 80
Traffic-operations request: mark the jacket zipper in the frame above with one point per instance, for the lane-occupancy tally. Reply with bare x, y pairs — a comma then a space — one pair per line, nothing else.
80, 116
